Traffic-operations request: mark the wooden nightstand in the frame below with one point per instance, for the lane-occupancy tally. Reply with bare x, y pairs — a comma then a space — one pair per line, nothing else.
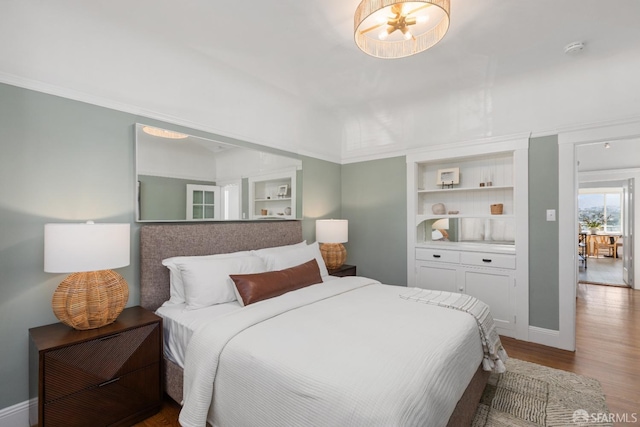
110, 376
345, 270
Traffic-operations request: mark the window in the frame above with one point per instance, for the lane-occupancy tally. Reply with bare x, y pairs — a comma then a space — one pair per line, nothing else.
601, 202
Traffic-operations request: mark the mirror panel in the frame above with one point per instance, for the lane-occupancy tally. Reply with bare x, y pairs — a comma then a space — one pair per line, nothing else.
493, 230
182, 177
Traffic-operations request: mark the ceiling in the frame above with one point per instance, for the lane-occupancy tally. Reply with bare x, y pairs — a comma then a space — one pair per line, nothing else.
303, 50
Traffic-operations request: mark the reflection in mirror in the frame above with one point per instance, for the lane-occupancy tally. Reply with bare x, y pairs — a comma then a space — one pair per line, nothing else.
499, 231
182, 177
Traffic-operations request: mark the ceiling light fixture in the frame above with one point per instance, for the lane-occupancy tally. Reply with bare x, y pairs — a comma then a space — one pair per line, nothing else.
394, 29
607, 145
163, 133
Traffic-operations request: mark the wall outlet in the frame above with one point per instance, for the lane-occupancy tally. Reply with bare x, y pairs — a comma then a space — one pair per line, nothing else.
551, 214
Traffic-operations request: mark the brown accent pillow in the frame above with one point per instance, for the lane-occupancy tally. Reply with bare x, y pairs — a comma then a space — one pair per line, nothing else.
260, 286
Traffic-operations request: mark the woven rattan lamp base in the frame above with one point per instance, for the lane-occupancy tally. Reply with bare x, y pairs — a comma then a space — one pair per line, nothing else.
91, 299
334, 255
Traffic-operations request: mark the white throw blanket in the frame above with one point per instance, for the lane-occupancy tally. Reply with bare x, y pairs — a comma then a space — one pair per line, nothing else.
345, 352
494, 354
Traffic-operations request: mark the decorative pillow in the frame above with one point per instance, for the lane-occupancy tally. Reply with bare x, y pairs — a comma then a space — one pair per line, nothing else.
207, 282
176, 286
257, 287
296, 256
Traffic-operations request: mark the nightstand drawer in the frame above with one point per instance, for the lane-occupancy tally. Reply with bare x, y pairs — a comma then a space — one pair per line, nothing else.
344, 271
427, 254
90, 363
109, 403
489, 260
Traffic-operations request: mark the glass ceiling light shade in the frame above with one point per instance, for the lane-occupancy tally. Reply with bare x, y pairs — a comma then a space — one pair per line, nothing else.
163, 133
93, 295
394, 29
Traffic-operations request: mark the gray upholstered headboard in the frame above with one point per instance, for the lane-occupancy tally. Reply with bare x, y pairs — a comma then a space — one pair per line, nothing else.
160, 241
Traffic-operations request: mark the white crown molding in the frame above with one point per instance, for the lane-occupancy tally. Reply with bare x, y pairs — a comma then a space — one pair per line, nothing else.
610, 131
520, 139
523, 138
75, 95
569, 129
373, 156
365, 155
327, 158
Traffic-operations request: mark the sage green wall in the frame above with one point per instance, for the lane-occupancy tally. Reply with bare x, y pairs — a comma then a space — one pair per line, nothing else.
374, 200
323, 180
60, 161
543, 235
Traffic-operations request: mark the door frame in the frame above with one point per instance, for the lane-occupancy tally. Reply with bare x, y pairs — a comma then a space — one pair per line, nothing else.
568, 217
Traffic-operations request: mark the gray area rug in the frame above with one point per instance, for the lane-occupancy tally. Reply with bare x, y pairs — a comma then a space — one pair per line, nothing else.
533, 395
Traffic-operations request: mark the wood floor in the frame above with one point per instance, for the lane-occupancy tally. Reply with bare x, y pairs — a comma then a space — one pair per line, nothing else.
607, 349
606, 270
607, 345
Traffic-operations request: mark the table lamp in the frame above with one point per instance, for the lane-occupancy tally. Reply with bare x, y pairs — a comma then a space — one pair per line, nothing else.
332, 233
93, 295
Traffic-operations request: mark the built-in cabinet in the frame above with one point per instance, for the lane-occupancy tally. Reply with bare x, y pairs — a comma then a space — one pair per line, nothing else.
273, 196
468, 226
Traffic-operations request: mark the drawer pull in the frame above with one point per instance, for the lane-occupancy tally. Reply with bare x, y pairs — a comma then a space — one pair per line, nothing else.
109, 382
486, 260
436, 256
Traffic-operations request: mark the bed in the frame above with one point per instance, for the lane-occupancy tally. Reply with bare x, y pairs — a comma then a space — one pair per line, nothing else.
162, 241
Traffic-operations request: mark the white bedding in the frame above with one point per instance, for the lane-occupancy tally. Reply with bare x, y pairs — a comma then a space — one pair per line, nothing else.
345, 353
179, 323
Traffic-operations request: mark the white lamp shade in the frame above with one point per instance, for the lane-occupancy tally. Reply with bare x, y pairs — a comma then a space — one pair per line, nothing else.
441, 224
332, 230
75, 248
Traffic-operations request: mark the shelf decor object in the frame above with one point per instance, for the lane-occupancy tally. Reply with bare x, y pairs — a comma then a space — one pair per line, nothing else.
448, 177
390, 29
93, 295
332, 233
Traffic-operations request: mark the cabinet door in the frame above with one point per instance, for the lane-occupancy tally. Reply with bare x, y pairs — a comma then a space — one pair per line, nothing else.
440, 277
495, 288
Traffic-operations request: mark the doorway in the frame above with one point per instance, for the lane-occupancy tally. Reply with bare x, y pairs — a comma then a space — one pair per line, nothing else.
568, 142
603, 211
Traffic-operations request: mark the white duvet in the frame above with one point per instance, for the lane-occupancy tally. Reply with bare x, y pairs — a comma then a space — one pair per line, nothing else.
349, 352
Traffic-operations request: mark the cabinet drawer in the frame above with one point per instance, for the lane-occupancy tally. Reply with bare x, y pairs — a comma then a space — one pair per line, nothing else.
90, 363
488, 260
111, 403
427, 254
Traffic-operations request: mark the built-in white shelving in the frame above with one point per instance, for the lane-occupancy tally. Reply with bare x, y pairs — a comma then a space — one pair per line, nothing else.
472, 248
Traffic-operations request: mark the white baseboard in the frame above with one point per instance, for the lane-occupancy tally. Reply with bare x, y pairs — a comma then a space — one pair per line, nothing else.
547, 337
17, 415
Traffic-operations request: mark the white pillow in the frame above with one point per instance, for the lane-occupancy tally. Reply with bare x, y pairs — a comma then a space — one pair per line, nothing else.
176, 286
207, 281
277, 249
295, 256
